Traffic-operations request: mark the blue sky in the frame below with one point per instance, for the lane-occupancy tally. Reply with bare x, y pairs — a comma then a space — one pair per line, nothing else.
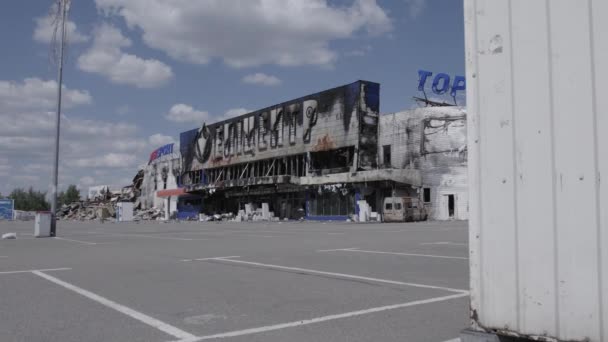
138, 72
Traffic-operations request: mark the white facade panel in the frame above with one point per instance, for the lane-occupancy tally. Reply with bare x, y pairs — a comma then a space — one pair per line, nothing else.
434, 141
538, 213
598, 10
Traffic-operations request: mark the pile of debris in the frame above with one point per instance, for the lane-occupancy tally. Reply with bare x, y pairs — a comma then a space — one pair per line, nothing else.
103, 205
251, 213
147, 214
86, 210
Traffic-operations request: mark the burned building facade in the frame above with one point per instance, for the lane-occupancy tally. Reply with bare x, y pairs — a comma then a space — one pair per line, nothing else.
160, 189
314, 157
432, 140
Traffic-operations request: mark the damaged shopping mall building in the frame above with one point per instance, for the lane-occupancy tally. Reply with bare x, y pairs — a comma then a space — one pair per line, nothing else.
322, 156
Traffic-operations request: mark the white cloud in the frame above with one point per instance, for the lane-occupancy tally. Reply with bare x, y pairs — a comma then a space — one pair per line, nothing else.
157, 140
359, 52
4, 167
39, 94
230, 113
123, 110
27, 139
261, 78
183, 113
37, 168
110, 160
86, 181
44, 31
415, 7
106, 58
249, 33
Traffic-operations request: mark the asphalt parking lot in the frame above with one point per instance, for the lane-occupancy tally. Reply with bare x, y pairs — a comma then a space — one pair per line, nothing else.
195, 281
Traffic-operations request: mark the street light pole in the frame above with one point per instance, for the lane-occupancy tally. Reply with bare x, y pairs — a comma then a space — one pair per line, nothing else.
63, 12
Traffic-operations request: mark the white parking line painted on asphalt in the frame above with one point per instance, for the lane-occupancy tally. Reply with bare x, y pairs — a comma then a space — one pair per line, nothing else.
337, 249
396, 253
453, 340
339, 275
153, 322
41, 270
444, 243
327, 318
213, 258
77, 241
156, 237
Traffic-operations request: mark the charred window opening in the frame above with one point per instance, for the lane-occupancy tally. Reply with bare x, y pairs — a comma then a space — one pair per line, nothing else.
427, 195
386, 155
164, 173
332, 161
282, 166
155, 177
332, 204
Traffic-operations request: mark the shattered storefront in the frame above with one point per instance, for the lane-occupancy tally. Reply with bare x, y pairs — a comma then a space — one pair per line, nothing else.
314, 157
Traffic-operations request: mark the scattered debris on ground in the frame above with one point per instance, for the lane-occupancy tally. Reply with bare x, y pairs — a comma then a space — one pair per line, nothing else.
9, 236
148, 214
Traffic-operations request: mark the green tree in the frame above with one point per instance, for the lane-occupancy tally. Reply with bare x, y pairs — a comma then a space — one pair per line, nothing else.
29, 200
70, 195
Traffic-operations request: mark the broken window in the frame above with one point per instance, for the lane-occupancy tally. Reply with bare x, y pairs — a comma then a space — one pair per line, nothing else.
164, 173
427, 195
386, 155
331, 204
332, 161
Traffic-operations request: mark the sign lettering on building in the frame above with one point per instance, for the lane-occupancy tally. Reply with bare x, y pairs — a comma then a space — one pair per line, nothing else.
441, 83
324, 121
161, 151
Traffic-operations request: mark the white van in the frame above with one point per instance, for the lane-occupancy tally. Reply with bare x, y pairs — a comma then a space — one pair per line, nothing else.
402, 209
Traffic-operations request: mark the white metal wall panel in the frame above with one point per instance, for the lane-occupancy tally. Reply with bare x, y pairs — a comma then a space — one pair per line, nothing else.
576, 211
537, 117
499, 272
599, 29
533, 161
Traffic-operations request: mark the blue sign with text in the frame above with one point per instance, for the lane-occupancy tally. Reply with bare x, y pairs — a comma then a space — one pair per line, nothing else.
6, 209
441, 83
161, 151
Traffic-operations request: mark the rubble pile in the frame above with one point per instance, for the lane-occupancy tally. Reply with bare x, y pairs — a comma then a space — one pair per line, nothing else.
147, 214
103, 206
249, 214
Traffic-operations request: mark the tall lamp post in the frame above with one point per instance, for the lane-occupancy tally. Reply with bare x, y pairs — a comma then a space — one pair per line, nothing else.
63, 13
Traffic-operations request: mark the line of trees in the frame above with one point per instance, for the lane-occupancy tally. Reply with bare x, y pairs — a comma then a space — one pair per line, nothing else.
33, 200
